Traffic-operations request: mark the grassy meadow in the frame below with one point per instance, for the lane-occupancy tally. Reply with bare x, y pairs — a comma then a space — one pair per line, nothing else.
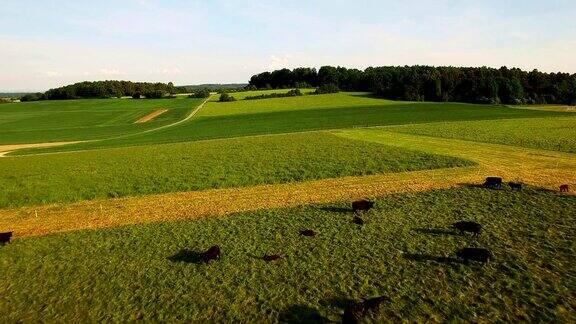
312, 112
86, 119
202, 165
404, 252
555, 134
122, 218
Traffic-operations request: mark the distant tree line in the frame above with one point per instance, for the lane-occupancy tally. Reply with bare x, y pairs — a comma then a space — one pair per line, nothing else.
105, 89
427, 83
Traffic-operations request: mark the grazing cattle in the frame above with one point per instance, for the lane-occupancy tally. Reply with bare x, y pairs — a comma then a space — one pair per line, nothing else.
308, 232
468, 226
564, 188
272, 257
358, 221
356, 311
362, 205
5, 237
473, 254
212, 253
515, 185
493, 183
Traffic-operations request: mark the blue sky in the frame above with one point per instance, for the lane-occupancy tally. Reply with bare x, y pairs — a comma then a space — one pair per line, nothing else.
45, 44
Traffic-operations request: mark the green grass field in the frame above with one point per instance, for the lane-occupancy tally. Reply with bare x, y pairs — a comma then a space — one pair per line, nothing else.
200, 165
404, 252
75, 120
555, 134
312, 112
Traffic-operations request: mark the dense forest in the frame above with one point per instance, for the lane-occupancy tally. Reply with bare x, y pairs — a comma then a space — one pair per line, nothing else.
419, 83
104, 89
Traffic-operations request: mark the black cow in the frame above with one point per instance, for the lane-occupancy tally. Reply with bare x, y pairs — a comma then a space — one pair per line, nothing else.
362, 205
5, 237
308, 232
564, 188
515, 185
213, 253
493, 183
468, 226
358, 221
474, 254
272, 257
356, 311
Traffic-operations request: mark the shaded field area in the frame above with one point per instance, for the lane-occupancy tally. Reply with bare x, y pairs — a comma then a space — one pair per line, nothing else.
201, 165
86, 119
297, 114
555, 134
405, 252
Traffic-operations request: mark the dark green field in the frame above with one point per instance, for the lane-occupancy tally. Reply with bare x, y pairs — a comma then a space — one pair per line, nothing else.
88, 119
201, 165
402, 253
272, 116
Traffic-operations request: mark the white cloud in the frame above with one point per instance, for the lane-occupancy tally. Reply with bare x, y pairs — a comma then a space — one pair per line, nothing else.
278, 62
168, 71
52, 74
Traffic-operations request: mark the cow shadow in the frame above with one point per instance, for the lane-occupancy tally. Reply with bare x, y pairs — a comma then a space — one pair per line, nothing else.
187, 256
338, 302
432, 258
436, 231
336, 209
471, 185
301, 314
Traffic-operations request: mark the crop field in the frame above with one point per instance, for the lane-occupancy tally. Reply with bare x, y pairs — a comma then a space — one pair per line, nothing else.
75, 120
312, 112
407, 255
110, 229
555, 134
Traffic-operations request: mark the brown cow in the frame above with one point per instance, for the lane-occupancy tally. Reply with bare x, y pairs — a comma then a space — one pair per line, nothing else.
5, 237
468, 226
474, 254
308, 232
212, 253
356, 311
362, 205
564, 188
272, 257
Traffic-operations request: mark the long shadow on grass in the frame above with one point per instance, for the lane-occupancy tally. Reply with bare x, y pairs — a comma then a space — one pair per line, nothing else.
335, 209
432, 258
301, 314
186, 256
436, 231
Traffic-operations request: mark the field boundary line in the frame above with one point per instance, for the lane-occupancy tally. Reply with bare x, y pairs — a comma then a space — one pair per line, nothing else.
188, 117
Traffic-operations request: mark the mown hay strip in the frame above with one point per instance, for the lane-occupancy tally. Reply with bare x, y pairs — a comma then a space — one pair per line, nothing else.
150, 116
535, 167
5, 149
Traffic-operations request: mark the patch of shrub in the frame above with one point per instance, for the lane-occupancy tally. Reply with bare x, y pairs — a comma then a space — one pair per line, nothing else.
224, 97
291, 93
327, 88
33, 97
200, 93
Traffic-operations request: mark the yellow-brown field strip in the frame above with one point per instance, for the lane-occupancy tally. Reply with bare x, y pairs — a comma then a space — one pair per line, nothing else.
536, 167
151, 116
5, 149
